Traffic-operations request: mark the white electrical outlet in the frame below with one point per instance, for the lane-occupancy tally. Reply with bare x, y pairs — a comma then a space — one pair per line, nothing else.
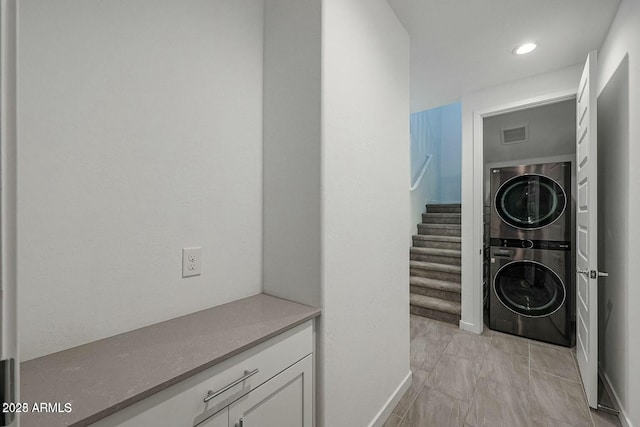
191, 262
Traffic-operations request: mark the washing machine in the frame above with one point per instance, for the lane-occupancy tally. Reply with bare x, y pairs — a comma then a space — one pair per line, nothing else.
531, 202
531, 291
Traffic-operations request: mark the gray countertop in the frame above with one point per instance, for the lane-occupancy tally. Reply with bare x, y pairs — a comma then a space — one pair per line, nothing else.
102, 377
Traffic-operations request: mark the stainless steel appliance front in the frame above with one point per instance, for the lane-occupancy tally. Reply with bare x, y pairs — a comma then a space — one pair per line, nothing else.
531, 292
531, 202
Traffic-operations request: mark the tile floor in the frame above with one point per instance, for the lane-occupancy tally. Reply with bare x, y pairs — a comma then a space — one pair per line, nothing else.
493, 379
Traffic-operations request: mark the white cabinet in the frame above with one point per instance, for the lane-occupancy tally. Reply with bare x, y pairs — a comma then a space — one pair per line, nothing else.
221, 419
268, 385
283, 401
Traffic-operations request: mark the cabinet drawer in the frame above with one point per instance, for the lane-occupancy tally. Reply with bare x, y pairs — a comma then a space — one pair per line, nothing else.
182, 404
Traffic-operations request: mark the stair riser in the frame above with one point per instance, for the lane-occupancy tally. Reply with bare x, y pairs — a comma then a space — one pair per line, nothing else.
449, 260
436, 293
436, 245
436, 315
432, 274
422, 282
443, 209
428, 219
425, 229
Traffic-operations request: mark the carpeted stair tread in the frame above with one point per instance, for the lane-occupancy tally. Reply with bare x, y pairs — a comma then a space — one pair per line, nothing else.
441, 285
443, 214
438, 238
455, 269
436, 304
434, 226
441, 218
444, 208
440, 229
437, 241
435, 251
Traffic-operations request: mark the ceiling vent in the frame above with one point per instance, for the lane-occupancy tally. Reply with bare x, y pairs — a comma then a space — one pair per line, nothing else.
515, 135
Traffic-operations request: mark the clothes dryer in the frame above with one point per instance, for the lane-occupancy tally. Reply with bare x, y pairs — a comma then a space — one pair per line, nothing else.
531, 202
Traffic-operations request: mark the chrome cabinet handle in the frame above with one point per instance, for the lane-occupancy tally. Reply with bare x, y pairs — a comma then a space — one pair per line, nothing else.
212, 394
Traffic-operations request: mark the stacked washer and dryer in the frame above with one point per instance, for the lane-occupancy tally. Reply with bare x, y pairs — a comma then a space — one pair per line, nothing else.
530, 252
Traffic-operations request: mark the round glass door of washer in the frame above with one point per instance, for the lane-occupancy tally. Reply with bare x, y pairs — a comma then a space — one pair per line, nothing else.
530, 201
529, 288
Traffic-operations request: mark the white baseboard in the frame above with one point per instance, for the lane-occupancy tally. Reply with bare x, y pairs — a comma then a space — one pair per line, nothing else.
470, 327
624, 417
383, 415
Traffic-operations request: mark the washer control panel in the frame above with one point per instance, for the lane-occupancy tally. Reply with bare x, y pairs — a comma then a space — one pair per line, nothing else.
531, 244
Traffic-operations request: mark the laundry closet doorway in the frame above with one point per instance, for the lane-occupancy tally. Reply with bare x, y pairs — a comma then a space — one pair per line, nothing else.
473, 190
474, 186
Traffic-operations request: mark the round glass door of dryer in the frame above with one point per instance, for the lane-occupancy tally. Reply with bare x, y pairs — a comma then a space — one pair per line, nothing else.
530, 201
529, 288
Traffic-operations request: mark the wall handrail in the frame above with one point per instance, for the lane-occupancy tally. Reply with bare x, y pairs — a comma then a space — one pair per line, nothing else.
425, 166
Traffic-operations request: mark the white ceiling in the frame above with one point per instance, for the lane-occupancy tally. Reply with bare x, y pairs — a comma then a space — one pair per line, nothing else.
460, 46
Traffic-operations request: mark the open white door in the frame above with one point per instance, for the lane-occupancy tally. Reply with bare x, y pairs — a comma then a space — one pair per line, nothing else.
587, 231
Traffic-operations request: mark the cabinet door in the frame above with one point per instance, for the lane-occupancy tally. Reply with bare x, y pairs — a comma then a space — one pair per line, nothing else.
221, 419
283, 401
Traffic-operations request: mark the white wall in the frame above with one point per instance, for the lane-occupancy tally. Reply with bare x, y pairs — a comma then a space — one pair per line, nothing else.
450, 153
292, 263
437, 132
424, 154
419, 197
365, 209
495, 99
552, 132
140, 134
613, 232
8, 175
424, 127
336, 205
424, 151
620, 55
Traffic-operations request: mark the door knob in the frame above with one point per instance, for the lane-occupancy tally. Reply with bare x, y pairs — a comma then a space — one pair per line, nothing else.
593, 273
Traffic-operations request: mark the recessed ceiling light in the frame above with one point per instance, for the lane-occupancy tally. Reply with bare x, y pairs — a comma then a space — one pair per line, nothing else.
525, 48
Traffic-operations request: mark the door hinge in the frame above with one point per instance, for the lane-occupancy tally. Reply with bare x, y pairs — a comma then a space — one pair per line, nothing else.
608, 409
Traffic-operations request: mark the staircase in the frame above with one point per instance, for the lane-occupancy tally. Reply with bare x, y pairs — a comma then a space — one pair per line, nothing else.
435, 265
